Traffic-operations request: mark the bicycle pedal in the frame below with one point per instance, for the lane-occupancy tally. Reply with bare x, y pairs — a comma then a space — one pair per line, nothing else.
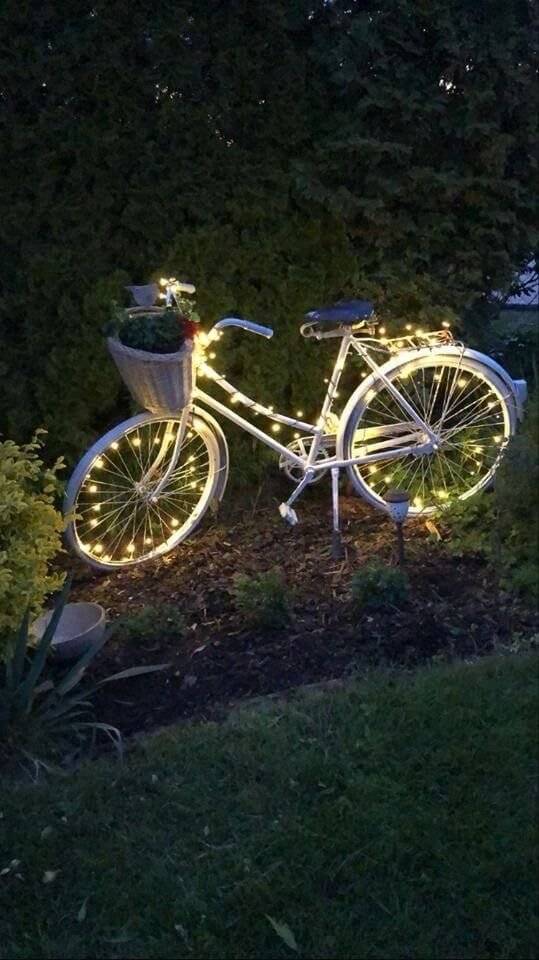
288, 514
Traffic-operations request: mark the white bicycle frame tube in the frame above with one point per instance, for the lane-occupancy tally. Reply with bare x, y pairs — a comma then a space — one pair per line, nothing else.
317, 430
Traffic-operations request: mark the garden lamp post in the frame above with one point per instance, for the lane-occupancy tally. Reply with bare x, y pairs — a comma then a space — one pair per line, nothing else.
398, 503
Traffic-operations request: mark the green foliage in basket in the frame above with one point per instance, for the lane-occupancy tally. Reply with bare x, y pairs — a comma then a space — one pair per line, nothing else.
30, 532
163, 332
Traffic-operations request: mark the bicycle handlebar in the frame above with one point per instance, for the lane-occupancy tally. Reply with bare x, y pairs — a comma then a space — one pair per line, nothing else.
244, 325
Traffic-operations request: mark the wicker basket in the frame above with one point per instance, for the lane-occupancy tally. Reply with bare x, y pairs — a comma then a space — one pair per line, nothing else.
159, 382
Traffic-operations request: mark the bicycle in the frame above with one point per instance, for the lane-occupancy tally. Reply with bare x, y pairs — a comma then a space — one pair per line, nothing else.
433, 418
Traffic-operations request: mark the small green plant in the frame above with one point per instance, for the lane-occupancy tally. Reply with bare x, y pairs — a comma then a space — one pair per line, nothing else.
376, 586
41, 709
30, 534
263, 600
151, 624
471, 524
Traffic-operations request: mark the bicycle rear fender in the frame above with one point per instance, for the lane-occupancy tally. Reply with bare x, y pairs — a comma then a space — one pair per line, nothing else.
516, 389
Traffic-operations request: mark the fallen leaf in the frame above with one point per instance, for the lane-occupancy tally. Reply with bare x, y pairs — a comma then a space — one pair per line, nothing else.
284, 932
81, 915
50, 875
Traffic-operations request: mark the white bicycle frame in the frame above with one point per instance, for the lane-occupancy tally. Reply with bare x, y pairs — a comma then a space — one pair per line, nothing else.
399, 448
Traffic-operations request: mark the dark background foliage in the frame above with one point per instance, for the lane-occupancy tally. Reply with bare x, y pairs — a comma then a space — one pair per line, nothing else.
277, 154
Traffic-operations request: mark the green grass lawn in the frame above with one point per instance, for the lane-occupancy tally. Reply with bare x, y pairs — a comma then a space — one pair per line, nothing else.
394, 819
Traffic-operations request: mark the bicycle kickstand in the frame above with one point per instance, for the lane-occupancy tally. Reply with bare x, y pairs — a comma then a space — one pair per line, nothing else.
337, 549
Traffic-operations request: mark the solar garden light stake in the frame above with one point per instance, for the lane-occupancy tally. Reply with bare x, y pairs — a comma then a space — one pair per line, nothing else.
398, 503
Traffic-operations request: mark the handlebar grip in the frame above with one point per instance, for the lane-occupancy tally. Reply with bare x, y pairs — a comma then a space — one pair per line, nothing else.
244, 325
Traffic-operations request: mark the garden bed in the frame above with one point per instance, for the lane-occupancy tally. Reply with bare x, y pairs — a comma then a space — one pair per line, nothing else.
455, 609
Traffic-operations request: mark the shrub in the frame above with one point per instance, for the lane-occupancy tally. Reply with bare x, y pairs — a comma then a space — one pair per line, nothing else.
150, 623
30, 529
376, 586
43, 715
263, 600
503, 525
516, 500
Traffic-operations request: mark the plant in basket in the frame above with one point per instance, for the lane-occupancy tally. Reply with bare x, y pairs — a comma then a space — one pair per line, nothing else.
154, 330
152, 349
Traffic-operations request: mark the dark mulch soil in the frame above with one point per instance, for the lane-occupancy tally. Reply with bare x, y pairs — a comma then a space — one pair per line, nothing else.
455, 609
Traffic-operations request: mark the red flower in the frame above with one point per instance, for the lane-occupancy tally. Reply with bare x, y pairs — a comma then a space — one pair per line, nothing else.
190, 328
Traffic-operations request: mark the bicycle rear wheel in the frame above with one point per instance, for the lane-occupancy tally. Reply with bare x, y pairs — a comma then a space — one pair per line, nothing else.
464, 403
118, 517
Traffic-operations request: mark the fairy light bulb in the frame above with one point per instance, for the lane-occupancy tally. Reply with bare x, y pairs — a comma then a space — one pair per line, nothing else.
94, 522
419, 332
408, 327
174, 522
99, 463
382, 330
446, 324
193, 484
147, 541
443, 494
234, 398
93, 488
115, 445
373, 469
299, 413
212, 356
497, 439
96, 507
388, 478
131, 548
418, 502
297, 436
136, 442
276, 427
98, 548
462, 382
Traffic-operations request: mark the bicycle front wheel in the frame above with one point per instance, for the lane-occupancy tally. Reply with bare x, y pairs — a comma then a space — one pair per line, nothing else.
134, 496
461, 400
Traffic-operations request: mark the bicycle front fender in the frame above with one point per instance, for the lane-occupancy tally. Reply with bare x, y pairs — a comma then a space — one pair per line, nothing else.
223, 448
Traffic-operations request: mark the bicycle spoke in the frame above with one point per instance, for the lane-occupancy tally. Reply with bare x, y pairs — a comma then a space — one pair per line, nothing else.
460, 406
117, 518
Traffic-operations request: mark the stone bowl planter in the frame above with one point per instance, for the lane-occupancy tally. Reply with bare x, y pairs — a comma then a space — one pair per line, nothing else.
80, 625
